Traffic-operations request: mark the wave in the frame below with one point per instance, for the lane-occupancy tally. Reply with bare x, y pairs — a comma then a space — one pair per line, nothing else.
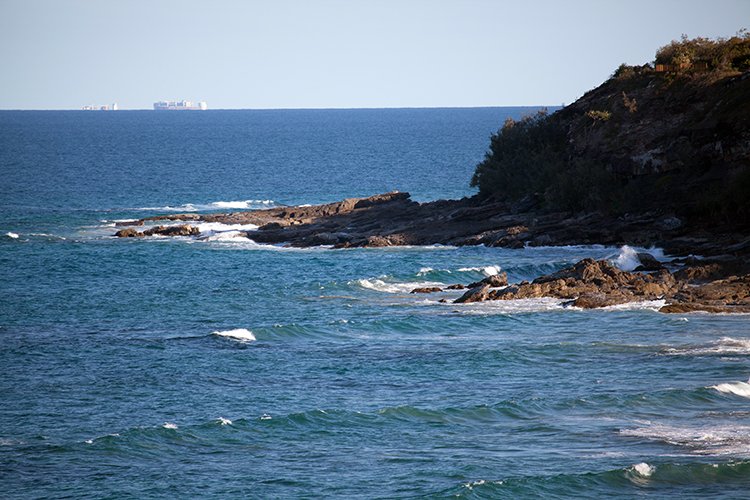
240, 334
661, 479
510, 306
723, 346
216, 205
485, 270
715, 440
216, 231
12, 235
627, 259
736, 388
380, 285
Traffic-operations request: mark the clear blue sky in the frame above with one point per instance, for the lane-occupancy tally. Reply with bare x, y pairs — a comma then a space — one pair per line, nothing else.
62, 54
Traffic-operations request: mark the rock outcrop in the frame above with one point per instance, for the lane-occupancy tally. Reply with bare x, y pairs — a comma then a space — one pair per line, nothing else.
591, 284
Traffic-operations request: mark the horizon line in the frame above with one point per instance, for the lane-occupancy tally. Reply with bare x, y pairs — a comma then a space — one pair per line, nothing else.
305, 108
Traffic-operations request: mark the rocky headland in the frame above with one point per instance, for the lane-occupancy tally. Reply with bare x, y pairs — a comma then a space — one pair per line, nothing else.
659, 155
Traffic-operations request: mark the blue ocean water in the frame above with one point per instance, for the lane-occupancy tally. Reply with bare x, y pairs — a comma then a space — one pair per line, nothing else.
129, 368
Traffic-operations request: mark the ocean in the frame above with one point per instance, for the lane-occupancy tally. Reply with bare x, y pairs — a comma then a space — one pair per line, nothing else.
222, 368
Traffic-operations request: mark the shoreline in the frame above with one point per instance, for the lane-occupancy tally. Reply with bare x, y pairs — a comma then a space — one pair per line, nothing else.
716, 281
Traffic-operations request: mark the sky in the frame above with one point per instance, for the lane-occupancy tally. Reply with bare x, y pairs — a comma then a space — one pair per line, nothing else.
64, 54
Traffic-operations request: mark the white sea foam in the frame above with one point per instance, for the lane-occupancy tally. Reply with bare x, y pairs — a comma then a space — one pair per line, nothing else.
701, 440
486, 270
240, 334
11, 235
228, 236
198, 207
737, 388
424, 270
216, 227
653, 305
643, 469
509, 306
169, 425
224, 421
391, 287
242, 204
47, 235
265, 416
627, 259
725, 345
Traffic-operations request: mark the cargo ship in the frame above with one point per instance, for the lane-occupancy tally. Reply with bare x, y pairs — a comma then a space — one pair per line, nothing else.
100, 107
180, 105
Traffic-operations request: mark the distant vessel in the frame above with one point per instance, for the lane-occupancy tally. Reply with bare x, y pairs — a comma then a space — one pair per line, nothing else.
100, 107
178, 105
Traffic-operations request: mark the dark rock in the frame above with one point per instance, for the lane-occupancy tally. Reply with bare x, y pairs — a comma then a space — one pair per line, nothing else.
181, 230
129, 223
457, 286
496, 280
648, 262
586, 284
129, 233
478, 294
427, 289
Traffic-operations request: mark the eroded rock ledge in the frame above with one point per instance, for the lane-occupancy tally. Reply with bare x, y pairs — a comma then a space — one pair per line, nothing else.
393, 219
592, 284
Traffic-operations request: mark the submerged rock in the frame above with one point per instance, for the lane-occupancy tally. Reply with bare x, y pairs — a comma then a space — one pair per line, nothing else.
427, 289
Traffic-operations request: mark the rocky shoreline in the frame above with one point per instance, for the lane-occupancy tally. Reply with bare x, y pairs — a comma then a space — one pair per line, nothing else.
718, 281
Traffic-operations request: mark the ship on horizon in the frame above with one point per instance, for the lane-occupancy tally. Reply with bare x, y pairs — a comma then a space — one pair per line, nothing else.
180, 105
101, 107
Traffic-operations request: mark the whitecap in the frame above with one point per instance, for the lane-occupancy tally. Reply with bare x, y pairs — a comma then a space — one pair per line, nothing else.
627, 259
11, 235
700, 440
643, 469
198, 207
169, 425
725, 345
653, 305
240, 334
391, 287
736, 388
486, 270
242, 203
215, 227
509, 306
265, 416
224, 421
424, 270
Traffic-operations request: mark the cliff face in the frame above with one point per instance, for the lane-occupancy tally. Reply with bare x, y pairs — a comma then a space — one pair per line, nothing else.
644, 122
669, 141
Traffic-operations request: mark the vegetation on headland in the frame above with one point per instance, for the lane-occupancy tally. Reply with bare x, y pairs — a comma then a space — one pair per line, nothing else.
671, 136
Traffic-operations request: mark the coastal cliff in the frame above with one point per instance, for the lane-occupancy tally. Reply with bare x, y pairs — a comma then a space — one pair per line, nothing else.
668, 137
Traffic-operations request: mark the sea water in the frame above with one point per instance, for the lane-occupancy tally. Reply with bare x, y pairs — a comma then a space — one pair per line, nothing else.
222, 368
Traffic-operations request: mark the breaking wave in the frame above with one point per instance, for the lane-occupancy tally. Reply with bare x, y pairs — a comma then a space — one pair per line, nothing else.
380, 285
699, 440
627, 259
680, 479
736, 388
240, 334
723, 346
216, 205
